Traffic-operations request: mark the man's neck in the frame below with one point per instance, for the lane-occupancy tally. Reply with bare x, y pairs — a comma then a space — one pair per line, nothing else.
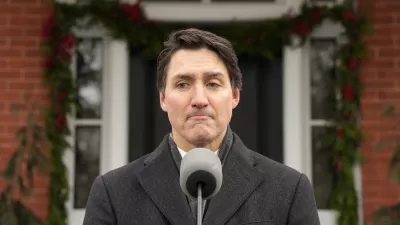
187, 146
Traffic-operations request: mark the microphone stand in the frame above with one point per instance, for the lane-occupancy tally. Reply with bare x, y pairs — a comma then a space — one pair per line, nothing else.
199, 205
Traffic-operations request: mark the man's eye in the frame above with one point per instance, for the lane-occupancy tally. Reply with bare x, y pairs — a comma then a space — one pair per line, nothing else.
182, 85
213, 85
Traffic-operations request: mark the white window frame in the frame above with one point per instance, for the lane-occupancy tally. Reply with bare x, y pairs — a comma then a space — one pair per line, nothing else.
298, 102
115, 136
73, 122
327, 217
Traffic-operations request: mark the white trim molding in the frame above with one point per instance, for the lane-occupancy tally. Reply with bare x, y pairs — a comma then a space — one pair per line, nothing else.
208, 11
117, 76
293, 122
213, 12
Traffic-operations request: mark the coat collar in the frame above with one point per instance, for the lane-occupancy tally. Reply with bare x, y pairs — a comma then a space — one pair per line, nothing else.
240, 180
160, 178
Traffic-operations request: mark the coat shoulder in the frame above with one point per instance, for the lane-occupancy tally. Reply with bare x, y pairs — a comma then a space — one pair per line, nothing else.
127, 172
269, 168
123, 174
275, 171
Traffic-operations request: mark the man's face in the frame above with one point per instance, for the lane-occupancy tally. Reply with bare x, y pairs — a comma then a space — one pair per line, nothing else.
198, 96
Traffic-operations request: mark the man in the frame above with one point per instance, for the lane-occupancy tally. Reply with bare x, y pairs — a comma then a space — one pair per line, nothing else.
199, 82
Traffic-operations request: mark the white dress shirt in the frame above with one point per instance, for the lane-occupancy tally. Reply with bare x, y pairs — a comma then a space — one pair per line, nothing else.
183, 153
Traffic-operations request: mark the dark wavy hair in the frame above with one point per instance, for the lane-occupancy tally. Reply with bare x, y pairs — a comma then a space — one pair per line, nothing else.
196, 39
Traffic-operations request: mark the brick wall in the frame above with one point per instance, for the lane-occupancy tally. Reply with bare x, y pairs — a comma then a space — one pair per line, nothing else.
20, 70
381, 77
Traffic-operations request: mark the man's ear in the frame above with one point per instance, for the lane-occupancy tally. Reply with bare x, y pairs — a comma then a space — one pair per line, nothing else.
162, 102
236, 98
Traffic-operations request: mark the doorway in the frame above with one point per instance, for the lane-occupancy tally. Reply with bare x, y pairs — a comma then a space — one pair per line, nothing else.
258, 119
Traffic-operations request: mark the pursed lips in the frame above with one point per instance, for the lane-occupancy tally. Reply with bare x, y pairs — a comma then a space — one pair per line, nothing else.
199, 117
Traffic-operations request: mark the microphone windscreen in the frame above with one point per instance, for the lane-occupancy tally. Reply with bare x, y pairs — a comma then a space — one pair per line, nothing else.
201, 166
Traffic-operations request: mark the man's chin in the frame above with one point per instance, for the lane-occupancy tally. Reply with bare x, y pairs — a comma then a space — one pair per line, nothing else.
200, 139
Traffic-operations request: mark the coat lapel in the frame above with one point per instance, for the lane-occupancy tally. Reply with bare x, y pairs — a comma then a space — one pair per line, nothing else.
160, 178
240, 179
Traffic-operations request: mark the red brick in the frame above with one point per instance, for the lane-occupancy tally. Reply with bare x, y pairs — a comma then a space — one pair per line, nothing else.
23, 63
20, 58
385, 7
10, 53
380, 84
33, 32
11, 32
3, 63
384, 19
24, 41
36, 10
380, 63
10, 74
32, 74
380, 74
380, 41
4, 21
7, 9
25, 21
34, 53
7, 138
388, 53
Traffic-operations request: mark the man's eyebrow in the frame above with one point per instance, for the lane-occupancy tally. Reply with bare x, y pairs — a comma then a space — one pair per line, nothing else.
188, 76
183, 76
213, 74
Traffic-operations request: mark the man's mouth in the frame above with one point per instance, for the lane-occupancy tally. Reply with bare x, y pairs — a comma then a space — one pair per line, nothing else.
199, 117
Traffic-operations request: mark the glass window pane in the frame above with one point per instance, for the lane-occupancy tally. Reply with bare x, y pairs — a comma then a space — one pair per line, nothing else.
87, 162
322, 169
322, 69
89, 78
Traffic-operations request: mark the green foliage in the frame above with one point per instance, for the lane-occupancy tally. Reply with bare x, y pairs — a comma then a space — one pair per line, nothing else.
263, 38
18, 173
13, 212
390, 215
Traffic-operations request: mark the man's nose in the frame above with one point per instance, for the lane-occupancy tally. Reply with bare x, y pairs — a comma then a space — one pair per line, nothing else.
199, 97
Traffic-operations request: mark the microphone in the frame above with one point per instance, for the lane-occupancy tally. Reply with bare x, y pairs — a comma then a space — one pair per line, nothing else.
200, 176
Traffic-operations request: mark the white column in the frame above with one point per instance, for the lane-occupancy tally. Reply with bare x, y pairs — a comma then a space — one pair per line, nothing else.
358, 184
294, 151
116, 152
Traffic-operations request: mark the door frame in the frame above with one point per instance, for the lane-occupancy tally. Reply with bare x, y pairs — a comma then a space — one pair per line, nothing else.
115, 144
